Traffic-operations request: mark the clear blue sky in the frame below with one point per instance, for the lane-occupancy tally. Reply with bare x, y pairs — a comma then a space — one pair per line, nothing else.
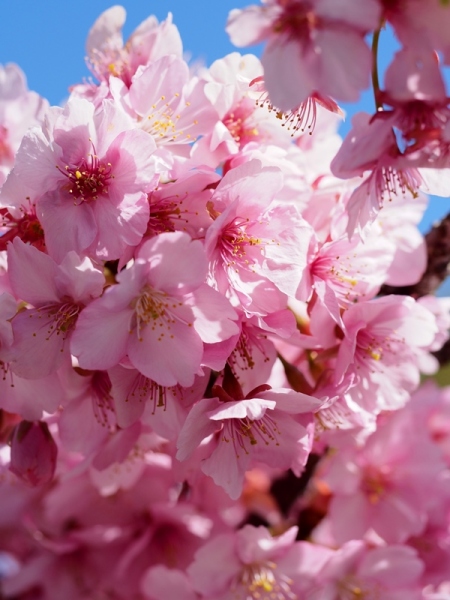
47, 40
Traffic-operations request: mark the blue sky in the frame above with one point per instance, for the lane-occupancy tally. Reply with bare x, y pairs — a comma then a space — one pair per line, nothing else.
47, 40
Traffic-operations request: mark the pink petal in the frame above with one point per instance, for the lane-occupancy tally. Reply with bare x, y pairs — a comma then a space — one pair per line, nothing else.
67, 226
100, 338
178, 263
32, 274
167, 358
197, 427
226, 468
39, 348
214, 316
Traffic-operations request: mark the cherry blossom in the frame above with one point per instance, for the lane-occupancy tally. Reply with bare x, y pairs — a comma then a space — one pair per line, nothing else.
314, 39
109, 56
256, 427
158, 315
218, 328
58, 293
90, 196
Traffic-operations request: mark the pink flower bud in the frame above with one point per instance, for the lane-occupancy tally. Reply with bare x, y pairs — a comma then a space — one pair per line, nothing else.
33, 453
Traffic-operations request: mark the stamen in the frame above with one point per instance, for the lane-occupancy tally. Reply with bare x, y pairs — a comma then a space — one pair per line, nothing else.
262, 582
157, 310
390, 181
60, 318
235, 242
165, 212
240, 124
242, 355
349, 588
102, 400
144, 389
241, 432
89, 179
162, 123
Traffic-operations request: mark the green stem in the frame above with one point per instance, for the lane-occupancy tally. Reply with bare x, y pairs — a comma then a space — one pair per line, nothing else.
375, 80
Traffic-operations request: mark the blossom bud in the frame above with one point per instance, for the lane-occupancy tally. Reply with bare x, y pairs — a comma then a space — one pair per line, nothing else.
33, 453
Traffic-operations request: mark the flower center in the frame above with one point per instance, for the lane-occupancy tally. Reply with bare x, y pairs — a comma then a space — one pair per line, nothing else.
159, 311
27, 227
102, 401
378, 348
297, 20
89, 179
104, 63
261, 582
164, 213
61, 318
242, 356
162, 122
351, 589
338, 272
242, 432
238, 122
374, 484
236, 242
144, 389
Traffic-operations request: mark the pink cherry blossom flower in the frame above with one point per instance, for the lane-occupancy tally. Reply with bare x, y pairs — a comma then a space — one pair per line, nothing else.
90, 173
310, 45
159, 314
20, 109
415, 91
88, 414
58, 292
181, 205
251, 564
353, 271
391, 485
261, 426
419, 23
414, 84
358, 571
256, 247
30, 398
135, 397
243, 117
381, 338
26, 226
372, 149
109, 56
170, 105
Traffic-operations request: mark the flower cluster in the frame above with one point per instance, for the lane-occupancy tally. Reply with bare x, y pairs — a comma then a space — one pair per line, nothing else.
207, 393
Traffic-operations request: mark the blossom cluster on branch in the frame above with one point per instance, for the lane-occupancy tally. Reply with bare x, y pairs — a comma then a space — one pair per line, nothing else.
207, 392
